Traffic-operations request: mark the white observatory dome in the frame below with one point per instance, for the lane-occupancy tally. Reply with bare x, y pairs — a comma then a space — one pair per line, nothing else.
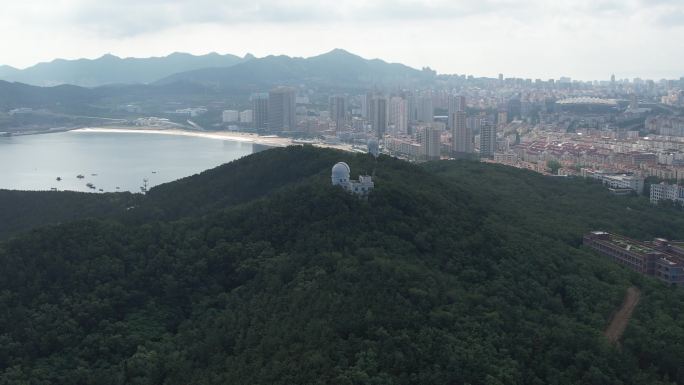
340, 173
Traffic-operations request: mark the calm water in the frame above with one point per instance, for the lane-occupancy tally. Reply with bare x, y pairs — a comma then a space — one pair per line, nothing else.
118, 159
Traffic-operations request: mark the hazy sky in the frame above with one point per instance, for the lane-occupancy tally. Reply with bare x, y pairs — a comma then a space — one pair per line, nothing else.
587, 39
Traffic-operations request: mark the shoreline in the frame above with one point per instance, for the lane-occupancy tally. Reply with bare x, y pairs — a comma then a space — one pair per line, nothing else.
244, 137
234, 136
273, 141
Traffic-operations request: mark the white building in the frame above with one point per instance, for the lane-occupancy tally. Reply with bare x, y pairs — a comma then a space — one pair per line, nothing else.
664, 191
192, 112
246, 116
616, 181
403, 146
340, 177
231, 116
398, 115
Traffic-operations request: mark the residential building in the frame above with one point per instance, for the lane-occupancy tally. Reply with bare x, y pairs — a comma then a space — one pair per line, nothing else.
430, 142
281, 109
461, 134
230, 116
260, 111
246, 116
338, 111
487, 140
398, 115
378, 113
457, 103
664, 191
426, 109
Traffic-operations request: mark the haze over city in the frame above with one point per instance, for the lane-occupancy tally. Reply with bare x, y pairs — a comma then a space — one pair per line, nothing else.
582, 39
344, 192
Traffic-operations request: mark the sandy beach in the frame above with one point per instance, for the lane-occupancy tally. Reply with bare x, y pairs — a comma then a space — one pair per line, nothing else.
273, 141
270, 140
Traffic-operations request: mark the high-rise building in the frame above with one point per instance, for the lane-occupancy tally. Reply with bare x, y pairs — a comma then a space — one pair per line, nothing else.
462, 135
430, 142
366, 105
260, 111
426, 110
398, 115
338, 111
281, 109
633, 102
502, 118
456, 103
487, 140
514, 109
378, 111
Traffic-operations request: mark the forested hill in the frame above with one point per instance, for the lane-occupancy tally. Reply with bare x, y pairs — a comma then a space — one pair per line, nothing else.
25, 210
260, 272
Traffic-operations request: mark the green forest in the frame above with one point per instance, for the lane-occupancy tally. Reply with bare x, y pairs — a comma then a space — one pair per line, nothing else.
260, 272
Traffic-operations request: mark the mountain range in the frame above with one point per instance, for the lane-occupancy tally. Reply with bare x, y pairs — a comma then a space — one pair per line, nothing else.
110, 69
337, 68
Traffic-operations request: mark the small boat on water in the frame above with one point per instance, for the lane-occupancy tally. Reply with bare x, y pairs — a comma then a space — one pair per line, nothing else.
154, 172
93, 174
90, 185
117, 187
59, 179
79, 176
100, 190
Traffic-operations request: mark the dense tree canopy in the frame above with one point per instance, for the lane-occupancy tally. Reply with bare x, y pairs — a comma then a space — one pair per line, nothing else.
450, 272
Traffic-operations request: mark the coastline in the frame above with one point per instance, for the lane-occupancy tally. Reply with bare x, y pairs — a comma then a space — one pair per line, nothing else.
272, 141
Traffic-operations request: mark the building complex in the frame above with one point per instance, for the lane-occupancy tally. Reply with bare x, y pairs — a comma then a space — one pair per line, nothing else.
660, 258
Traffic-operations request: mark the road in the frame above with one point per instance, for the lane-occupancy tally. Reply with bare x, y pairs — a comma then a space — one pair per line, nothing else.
621, 318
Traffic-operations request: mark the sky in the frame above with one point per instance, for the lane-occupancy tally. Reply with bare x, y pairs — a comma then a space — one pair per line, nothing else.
583, 39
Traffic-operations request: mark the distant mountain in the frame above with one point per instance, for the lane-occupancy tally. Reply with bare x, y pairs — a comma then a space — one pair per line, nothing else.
15, 95
110, 69
337, 68
6, 71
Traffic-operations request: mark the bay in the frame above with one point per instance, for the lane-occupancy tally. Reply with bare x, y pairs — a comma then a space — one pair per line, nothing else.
109, 161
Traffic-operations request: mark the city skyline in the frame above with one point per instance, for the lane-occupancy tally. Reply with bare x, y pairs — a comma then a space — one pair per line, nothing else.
529, 39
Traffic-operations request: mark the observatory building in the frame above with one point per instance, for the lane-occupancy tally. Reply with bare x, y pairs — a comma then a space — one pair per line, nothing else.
340, 177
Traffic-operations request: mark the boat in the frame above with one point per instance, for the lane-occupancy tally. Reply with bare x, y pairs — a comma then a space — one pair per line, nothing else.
100, 190
93, 174
79, 176
154, 172
59, 179
90, 185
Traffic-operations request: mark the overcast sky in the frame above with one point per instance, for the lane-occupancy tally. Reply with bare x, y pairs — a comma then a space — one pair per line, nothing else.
585, 39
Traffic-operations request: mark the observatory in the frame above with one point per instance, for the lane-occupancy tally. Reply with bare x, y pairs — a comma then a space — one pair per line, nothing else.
340, 177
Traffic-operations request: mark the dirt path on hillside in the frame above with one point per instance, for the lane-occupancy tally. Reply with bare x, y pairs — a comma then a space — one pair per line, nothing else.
620, 319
